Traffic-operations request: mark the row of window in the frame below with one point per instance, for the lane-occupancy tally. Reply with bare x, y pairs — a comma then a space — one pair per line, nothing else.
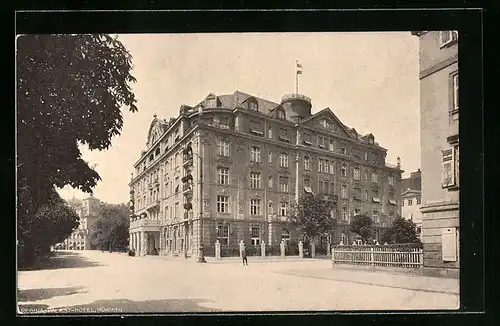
410, 201
255, 206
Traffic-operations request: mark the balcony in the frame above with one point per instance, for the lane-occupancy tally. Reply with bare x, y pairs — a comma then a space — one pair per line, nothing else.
330, 197
292, 97
188, 161
153, 205
156, 182
144, 222
187, 189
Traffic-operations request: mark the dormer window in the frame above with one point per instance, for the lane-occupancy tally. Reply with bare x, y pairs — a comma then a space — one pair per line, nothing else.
211, 102
281, 114
252, 105
370, 140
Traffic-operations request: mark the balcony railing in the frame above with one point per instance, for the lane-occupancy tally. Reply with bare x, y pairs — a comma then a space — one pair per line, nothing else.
288, 97
188, 215
144, 222
155, 204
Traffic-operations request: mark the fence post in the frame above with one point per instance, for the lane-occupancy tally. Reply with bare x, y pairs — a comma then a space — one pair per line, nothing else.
372, 260
263, 249
421, 257
313, 249
282, 248
333, 257
301, 249
217, 250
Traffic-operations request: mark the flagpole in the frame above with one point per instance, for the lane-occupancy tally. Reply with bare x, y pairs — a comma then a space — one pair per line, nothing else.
296, 78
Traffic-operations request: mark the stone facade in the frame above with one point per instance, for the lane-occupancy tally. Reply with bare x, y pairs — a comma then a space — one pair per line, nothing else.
440, 149
230, 167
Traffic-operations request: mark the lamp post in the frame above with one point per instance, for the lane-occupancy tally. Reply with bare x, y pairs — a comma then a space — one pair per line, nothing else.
201, 255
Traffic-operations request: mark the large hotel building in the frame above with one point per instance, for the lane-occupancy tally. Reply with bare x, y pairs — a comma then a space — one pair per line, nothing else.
230, 167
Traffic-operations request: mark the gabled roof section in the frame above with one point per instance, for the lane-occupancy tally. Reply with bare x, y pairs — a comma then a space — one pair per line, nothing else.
328, 112
157, 128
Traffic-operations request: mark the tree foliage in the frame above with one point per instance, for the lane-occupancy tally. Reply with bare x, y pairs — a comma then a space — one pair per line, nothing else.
311, 216
51, 224
362, 225
111, 230
70, 91
401, 231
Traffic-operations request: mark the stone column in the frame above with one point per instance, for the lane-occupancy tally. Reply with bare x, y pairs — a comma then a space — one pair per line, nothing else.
144, 243
313, 249
282, 248
301, 249
130, 240
139, 243
241, 248
217, 250
263, 249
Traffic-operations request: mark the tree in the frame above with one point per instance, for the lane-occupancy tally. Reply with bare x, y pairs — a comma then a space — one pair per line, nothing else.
51, 224
401, 231
70, 91
311, 216
362, 225
111, 230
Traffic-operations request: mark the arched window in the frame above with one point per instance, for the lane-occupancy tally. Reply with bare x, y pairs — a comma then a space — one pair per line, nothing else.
342, 239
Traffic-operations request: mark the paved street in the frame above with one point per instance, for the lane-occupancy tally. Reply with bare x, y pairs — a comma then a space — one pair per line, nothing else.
97, 282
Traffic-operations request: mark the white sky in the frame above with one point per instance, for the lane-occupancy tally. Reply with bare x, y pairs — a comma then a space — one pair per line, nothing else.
369, 80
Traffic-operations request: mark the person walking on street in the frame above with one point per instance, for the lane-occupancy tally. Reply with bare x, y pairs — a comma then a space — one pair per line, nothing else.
244, 255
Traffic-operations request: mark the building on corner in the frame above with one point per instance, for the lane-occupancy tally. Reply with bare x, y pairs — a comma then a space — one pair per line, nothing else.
229, 168
411, 200
439, 109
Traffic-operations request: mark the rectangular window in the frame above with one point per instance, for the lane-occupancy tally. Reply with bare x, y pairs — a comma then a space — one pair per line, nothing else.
332, 167
332, 145
255, 235
418, 200
375, 217
270, 132
253, 106
365, 195
284, 160
222, 204
357, 193
344, 191
357, 211
307, 182
223, 175
390, 180
284, 135
270, 181
256, 127
344, 150
223, 147
211, 103
321, 142
366, 156
254, 179
345, 216
307, 139
447, 168
366, 175
224, 123
455, 92
307, 163
447, 38
357, 174
283, 184
223, 233
374, 177
332, 188
270, 158
176, 211
255, 206
343, 171
255, 154
283, 209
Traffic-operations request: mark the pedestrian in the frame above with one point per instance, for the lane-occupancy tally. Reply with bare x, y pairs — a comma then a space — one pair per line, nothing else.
244, 255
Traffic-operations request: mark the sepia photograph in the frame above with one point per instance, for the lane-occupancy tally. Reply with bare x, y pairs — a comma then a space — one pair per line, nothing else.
237, 172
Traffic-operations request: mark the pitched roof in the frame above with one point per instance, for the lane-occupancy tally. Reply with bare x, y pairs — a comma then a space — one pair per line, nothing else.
414, 182
237, 98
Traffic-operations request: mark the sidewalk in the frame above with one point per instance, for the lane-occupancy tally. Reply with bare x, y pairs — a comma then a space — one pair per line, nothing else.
383, 279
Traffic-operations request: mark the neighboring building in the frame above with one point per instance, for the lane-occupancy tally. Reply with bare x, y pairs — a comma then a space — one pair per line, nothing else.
88, 211
411, 200
439, 109
256, 157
